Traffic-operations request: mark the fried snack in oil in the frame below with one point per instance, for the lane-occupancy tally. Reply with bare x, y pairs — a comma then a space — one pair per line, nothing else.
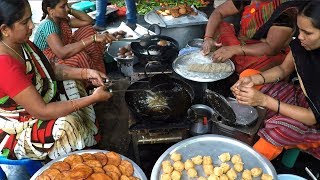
126, 168
112, 168
43, 177
80, 171
113, 175
99, 176
61, 166
93, 163
113, 158
73, 159
100, 156
98, 170
51, 172
124, 177
88, 156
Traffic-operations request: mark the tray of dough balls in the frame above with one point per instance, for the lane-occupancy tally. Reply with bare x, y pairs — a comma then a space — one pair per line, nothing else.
212, 157
91, 164
197, 67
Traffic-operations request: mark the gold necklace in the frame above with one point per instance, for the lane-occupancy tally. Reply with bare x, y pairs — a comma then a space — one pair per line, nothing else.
13, 50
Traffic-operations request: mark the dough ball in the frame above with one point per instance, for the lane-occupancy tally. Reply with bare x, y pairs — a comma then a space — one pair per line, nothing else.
208, 169
178, 166
246, 175
165, 177
207, 160
225, 167
223, 177
213, 177
266, 177
224, 157
166, 163
238, 167
197, 160
188, 164
175, 175
202, 178
236, 159
175, 157
218, 171
192, 173
167, 169
232, 174
256, 172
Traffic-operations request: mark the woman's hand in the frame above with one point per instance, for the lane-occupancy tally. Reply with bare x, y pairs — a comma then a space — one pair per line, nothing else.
101, 94
224, 53
250, 96
106, 37
96, 77
208, 44
244, 81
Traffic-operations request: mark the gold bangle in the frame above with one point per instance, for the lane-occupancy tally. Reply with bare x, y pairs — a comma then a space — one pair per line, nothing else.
83, 43
95, 38
75, 107
244, 53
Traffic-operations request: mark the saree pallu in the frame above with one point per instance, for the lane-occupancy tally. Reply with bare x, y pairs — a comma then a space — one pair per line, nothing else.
91, 57
227, 36
286, 132
23, 136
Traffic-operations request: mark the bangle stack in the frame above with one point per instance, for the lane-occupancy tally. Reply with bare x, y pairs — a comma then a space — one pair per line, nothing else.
208, 37
244, 53
264, 79
278, 111
94, 38
74, 105
83, 43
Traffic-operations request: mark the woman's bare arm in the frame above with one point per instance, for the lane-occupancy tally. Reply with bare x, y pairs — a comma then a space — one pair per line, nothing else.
79, 19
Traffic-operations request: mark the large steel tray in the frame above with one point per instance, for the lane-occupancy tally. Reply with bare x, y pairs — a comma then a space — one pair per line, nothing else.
214, 145
181, 63
137, 170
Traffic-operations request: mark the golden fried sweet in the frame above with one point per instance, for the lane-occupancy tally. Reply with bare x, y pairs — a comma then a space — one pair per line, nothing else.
61, 166
126, 168
225, 167
175, 156
218, 171
207, 160
124, 177
266, 177
175, 175
62, 177
246, 175
99, 176
43, 177
188, 164
113, 175
100, 156
223, 177
166, 163
80, 171
192, 173
73, 159
133, 178
232, 174
197, 160
167, 169
238, 167
112, 168
255, 172
98, 170
113, 158
201, 178
236, 159
51, 172
208, 169
88, 156
224, 157
165, 177
93, 163
178, 166
213, 177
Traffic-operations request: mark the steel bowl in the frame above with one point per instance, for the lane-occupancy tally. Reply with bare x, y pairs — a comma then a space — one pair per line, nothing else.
197, 42
113, 49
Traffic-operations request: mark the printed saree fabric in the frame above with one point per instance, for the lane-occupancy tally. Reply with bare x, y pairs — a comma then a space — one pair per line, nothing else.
23, 136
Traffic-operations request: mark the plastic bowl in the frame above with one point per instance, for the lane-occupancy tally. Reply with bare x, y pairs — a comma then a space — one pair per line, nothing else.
289, 177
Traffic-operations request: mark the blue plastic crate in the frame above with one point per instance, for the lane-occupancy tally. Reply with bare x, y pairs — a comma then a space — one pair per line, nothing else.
85, 6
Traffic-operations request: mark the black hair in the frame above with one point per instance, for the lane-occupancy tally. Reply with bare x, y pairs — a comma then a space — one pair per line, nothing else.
46, 4
11, 11
312, 11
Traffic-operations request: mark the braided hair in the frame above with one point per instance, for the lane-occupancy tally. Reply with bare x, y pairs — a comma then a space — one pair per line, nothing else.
46, 4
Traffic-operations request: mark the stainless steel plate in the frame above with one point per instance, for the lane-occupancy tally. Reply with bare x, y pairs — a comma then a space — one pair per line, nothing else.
180, 66
214, 145
137, 170
245, 115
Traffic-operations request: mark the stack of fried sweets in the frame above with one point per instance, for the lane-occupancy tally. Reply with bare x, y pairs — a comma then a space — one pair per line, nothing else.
92, 166
177, 11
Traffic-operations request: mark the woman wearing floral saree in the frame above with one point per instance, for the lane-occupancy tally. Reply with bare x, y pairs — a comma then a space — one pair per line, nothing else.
266, 28
43, 112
